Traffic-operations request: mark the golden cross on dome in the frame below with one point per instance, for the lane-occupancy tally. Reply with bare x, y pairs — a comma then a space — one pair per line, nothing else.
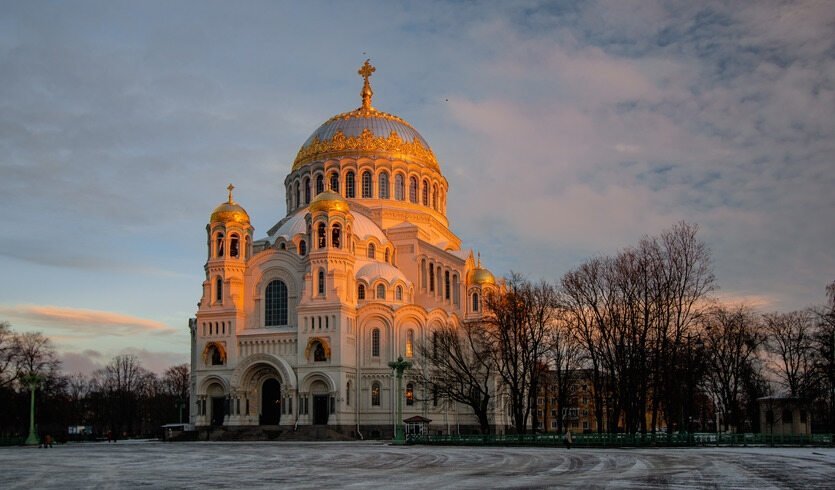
365, 71
229, 188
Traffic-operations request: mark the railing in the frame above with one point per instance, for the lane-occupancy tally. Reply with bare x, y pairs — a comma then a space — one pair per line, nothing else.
12, 441
680, 439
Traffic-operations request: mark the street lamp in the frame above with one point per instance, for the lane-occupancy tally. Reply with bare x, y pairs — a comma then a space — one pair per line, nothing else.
399, 366
33, 380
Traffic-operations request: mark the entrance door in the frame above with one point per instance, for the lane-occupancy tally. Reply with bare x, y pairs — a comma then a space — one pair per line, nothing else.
320, 409
218, 410
270, 402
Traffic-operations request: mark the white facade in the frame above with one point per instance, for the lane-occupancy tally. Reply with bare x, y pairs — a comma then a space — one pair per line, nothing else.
298, 328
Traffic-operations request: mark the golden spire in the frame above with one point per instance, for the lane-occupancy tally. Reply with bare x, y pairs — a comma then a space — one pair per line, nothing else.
365, 72
479, 260
229, 188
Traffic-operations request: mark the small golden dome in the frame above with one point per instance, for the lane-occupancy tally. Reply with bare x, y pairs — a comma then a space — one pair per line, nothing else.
230, 211
480, 275
328, 201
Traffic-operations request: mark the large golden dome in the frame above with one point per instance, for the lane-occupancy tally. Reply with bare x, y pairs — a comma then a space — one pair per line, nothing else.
230, 211
366, 132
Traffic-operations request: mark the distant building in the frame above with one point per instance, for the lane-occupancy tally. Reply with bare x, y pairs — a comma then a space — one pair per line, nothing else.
784, 416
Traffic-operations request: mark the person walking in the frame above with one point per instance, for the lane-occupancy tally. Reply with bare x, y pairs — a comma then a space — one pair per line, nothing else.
567, 439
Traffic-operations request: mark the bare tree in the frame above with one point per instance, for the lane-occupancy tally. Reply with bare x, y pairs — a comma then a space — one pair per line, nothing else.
565, 358
790, 342
175, 383
8, 355
35, 355
517, 324
732, 342
456, 364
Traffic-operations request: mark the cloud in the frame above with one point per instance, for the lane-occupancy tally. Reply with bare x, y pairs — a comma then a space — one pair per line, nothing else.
89, 361
81, 322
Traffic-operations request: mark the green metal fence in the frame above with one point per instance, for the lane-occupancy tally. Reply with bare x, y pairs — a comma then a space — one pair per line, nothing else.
681, 439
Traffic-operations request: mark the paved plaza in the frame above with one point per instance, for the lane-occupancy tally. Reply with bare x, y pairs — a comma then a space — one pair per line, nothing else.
377, 465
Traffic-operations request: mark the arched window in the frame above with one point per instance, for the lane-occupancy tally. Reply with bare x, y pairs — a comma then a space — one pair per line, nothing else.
410, 394
456, 293
218, 289
348, 394
375, 342
334, 182
336, 236
383, 185
306, 185
350, 187
413, 190
319, 352
366, 185
398, 293
234, 245
321, 282
475, 302
423, 273
435, 197
219, 240
302, 248
275, 304
298, 195
321, 236
217, 357
410, 343
381, 291
425, 194
431, 277
375, 394
399, 187
282, 246
372, 251
361, 292
320, 184
446, 284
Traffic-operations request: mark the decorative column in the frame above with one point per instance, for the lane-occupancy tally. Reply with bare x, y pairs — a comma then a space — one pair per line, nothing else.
399, 366
33, 380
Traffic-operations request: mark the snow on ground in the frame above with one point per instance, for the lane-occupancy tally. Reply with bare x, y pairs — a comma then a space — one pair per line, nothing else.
379, 465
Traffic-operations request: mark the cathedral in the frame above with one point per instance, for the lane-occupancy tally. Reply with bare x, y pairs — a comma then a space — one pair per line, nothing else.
298, 328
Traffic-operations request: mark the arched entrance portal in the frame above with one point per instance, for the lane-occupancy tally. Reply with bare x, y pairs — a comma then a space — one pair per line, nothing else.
270, 402
218, 404
320, 403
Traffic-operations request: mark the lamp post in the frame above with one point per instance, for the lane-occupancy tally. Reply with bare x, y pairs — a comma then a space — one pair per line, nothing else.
399, 366
33, 380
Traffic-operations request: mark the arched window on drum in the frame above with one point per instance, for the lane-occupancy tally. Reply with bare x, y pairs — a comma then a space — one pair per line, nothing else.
366, 185
413, 190
334, 182
399, 187
350, 185
336, 236
383, 185
321, 236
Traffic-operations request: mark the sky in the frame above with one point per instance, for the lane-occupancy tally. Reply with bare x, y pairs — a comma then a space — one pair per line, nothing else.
566, 131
